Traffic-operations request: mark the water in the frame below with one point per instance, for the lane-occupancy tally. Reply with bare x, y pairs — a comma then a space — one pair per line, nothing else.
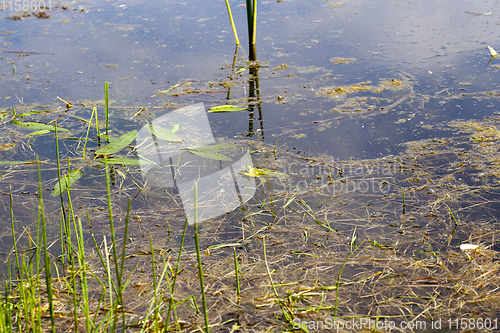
140, 47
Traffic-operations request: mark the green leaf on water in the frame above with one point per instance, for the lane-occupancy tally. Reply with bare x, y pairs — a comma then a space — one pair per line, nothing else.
241, 70
211, 147
67, 181
209, 151
163, 134
175, 128
31, 112
37, 126
118, 144
124, 161
210, 155
227, 108
39, 132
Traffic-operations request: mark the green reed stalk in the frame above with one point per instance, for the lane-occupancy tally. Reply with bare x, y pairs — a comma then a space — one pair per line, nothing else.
155, 288
80, 252
232, 23
67, 228
71, 260
71, 250
113, 238
124, 246
23, 294
106, 106
7, 305
108, 273
156, 284
48, 279
98, 131
127, 219
249, 20
111, 223
88, 130
198, 256
67, 234
172, 291
103, 263
254, 21
236, 272
5, 312
13, 228
338, 280
83, 277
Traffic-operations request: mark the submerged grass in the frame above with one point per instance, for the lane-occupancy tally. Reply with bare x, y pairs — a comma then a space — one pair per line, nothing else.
299, 267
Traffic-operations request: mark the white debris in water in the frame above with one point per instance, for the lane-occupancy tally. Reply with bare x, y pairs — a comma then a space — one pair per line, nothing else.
465, 247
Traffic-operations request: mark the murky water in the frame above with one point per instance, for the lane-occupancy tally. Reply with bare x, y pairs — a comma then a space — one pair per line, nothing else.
440, 48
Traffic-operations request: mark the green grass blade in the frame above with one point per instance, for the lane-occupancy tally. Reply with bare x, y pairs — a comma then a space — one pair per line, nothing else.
175, 277
236, 269
198, 256
106, 105
13, 229
48, 278
113, 239
88, 130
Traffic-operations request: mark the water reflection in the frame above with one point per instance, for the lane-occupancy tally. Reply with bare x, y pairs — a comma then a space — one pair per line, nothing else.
144, 47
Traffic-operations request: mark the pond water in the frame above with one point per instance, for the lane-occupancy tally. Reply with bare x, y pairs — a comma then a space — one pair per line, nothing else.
336, 81
439, 48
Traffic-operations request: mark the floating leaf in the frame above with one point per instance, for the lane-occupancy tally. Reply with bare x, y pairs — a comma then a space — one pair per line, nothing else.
211, 147
241, 70
39, 132
175, 128
37, 126
124, 161
67, 181
163, 134
227, 108
118, 144
209, 154
31, 112
493, 53
258, 172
